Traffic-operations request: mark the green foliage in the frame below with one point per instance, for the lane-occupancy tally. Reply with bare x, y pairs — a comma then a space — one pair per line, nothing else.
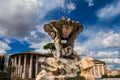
9, 69
22, 79
64, 45
105, 76
5, 79
51, 46
75, 78
2, 61
111, 76
115, 76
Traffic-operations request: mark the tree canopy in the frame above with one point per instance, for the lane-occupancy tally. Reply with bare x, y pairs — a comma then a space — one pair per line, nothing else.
51, 46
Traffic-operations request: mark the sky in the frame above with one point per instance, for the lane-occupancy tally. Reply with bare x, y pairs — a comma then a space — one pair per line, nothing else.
22, 21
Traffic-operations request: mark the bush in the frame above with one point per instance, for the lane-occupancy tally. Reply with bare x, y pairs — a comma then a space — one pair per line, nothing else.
22, 79
111, 76
105, 76
5, 79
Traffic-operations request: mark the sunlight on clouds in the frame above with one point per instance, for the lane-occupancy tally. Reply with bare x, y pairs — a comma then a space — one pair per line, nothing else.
112, 60
39, 46
106, 54
109, 11
24, 19
3, 47
112, 41
102, 39
81, 50
101, 46
17, 17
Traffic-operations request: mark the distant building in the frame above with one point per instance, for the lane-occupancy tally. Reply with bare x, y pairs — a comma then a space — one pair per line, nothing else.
113, 72
27, 64
99, 69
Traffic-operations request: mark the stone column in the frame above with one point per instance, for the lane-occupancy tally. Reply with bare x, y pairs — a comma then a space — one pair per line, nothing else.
31, 66
103, 72
36, 70
24, 69
94, 70
19, 65
15, 64
12, 60
98, 70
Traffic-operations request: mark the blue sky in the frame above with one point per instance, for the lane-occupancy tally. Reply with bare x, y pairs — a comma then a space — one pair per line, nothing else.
21, 26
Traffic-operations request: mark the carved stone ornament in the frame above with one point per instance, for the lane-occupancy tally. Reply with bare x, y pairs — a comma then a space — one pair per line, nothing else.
65, 65
63, 30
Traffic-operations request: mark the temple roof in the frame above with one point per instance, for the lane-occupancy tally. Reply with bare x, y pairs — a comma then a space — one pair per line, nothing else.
32, 53
99, 62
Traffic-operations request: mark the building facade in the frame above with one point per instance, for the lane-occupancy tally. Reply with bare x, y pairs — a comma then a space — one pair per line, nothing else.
113, 72
99, 69
26, 64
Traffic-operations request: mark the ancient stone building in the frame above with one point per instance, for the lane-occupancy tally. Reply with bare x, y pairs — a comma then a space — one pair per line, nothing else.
27, 64
99, 69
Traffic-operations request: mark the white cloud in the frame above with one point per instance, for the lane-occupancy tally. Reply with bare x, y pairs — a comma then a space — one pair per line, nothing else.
33, 33
7, 41
24, 19
81, 50
39, 45
90, 2
109, 11
112, 60
101, 45
3, 47
102, 39
71, 6
102, 54
110, 66
17, 17
112, 40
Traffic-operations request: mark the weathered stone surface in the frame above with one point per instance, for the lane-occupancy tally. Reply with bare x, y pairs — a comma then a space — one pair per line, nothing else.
63, 30
65, 65
64, 69
85, 65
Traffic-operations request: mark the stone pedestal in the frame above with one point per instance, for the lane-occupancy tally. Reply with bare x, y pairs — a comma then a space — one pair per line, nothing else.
65, 69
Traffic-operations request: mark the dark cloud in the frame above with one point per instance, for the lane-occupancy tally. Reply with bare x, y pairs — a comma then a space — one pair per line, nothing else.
17, 18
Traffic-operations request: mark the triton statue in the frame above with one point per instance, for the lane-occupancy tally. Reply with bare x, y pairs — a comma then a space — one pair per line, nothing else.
63, 30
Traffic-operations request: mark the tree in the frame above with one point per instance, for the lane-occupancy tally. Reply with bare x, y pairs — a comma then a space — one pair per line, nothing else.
51, 46
105, 76
2, 61
10, 69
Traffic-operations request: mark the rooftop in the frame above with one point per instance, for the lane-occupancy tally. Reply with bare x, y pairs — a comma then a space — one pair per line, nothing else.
33, 53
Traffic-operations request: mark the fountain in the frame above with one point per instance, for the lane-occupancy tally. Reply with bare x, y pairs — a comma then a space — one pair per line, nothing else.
66, 64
